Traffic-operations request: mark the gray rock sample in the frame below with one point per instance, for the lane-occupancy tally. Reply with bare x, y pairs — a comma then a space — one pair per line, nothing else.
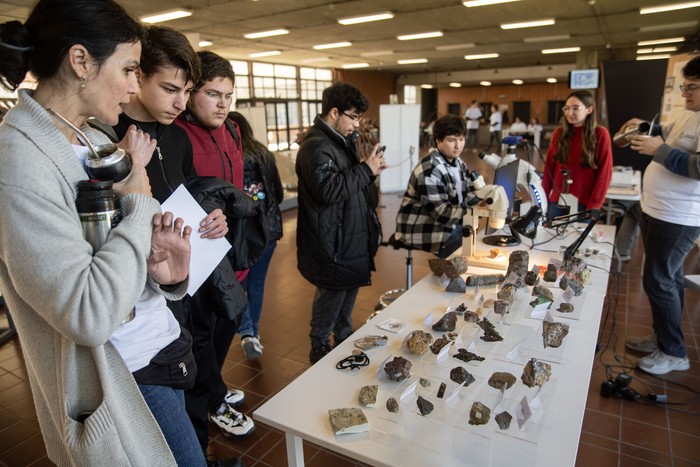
507, 293
503, 419
461, 376
502, 380
419, 342
471, 317
518, 263
456, 285
467, 356
368, 395
501, 307
536, 373
348, 420
439, 344
575, 285
398, 369
553, 334
479, 414
391, 405
565, 308
550, 275
424, 382
490, 333
531, 278
441, 390
425, 406
489, 279
450, 267
447, 323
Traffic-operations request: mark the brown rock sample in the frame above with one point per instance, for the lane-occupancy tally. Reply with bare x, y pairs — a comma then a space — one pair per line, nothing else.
553, 334
565, 308
531, 278
450, 267
439, 344
461, 376
348, 420
398, 369
502, 380
540, 290
391, 405
447, 323
503, 419
501, 307
490, 333
425, 406
507, 293
536, 373
368, 395
419, 342
424, 382
479, 414
441, 390
471, 317
467, 356
550, 275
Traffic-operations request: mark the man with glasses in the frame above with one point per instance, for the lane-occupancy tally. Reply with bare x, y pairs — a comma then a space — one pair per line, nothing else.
670, 225
337, 230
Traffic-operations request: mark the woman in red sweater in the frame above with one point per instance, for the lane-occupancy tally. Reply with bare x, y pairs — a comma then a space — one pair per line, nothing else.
583, 148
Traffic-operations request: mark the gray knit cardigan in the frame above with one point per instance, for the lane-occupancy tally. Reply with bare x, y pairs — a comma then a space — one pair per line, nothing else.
66, 302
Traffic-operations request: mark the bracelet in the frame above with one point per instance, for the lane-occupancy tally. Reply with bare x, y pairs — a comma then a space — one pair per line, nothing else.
353, 362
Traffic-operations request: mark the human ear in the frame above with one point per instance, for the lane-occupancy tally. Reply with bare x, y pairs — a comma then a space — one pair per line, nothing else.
80, 60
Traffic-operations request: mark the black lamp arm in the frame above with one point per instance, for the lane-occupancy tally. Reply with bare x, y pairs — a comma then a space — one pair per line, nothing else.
562, 221
571, 250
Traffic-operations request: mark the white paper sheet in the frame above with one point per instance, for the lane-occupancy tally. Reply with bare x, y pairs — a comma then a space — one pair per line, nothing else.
206, 253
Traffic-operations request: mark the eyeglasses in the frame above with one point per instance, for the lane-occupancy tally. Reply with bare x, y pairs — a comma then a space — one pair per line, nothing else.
575, 108
216, 96
687, 89
354, 118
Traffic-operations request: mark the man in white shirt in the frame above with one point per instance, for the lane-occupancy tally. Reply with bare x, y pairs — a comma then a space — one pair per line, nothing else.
472, 115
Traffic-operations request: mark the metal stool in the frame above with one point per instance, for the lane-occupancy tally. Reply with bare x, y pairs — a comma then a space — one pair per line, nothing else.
388, 297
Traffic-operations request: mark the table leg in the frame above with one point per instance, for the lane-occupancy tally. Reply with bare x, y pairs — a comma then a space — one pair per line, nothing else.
295, 450
607, 218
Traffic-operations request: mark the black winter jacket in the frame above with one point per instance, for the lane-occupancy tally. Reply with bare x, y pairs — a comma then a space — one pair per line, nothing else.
335, 249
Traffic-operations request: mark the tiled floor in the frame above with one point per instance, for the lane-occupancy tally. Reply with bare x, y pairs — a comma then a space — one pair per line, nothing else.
615, 432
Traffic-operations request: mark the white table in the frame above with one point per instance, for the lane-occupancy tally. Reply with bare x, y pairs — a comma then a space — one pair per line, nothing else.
301, 409
631, 192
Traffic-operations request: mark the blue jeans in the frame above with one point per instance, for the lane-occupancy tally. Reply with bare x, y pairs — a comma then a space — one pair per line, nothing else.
666, 245
332, 311
168, 408
256, 289
453, 242
626, 234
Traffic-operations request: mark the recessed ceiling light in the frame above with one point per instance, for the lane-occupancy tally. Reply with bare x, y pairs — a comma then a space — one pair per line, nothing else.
671, 7
166, 16
205, 43
366, 18
551, 80
529, 24
334, 45
518, 81
562, 50
466, 45
377, 53
455, 85
485, 83
475, 3
426, 86
653, 57
480, 56
667, 27
412, 61
315, 59
356, 65
270, 33
561, 37
671, 40
265, 54
645, 51
422, 35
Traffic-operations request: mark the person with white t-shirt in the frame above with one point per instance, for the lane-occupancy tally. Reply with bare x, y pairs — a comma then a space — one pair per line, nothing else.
495, 120
473, 115
670, 224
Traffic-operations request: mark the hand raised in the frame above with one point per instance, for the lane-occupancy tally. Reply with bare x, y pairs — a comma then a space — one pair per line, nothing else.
169, 261
376, 161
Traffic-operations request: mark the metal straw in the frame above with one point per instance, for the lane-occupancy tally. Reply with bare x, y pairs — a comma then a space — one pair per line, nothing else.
79, 133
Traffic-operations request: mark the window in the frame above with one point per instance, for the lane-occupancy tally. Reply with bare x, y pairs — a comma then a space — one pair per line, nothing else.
554, 113
410, 94
242, 88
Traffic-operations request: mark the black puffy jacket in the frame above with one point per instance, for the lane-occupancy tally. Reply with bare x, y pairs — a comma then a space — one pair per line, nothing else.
335, 248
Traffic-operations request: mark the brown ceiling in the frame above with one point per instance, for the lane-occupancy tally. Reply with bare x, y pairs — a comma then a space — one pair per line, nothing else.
604, 29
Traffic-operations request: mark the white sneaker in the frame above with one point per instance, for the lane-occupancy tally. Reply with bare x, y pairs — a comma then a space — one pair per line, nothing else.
234, 397
232, 423
252, 348
659, 363
646, 344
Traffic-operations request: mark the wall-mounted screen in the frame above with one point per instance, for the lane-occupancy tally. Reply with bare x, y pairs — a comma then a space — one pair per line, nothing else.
584, 79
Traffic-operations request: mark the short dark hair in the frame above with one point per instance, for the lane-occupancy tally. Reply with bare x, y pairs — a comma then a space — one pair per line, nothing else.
692, 69
343, 96
53, 27
214, 66
165, 47
449, 125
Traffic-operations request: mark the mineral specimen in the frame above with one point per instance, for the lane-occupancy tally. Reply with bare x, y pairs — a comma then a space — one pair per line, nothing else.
563, 282
518, 263
398, 369
348, 420
553, 333
441, 390
532, 278
447, 323
585, 275
507, 293
439, 344
419, 342
479, 414
391, 405
456, 285
467, 356
536, 373
503, 419
502, 380
540, 300
565, 308
368, 395
488, 279
575, 285
490, 333
450, 267
424, 382
471, 317
542, 291
501, 307
488, 303
370, 342
461, 376
550, 275
461, 308
425, 406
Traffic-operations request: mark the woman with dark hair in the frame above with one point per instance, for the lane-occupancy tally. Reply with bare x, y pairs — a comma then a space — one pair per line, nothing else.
583, 148
261, 181
71, 303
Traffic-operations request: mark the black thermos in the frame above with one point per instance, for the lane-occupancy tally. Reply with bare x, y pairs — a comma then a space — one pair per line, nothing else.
98, 208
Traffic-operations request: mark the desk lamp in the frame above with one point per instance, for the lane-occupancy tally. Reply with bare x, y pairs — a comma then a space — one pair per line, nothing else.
526, 226
561, 221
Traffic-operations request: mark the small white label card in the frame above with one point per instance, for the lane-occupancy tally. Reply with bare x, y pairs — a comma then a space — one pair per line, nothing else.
514, 353
568, 295
428, 321
444, 352
392, 325
511, 279
540, 310
444, 281
536, 403
556, 262
453, 394
410, 389
548, 317
522, 412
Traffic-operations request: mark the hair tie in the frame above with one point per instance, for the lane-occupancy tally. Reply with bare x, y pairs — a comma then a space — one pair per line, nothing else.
15, 47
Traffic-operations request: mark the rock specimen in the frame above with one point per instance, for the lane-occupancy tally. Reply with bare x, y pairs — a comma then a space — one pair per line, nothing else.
488, 279
348, 420
370, 342
391, 405
518, 263
490, 333
441, 390
425, 406
479, 414
553, 333
439, 344
456, 285
447, 323
488, 303
501, 307
461, 376
531, 278
419, 342
540, 300
461, 308
575, 285
467, 356
450, 267
536, 373
424, 382
565, 308
503, 419
471, 317
585, 275
550, 275
368, 395
502, 380
398, 369
507, 293
542, 291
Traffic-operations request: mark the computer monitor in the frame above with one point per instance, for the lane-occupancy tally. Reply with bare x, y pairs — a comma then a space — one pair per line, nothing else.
507, 177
